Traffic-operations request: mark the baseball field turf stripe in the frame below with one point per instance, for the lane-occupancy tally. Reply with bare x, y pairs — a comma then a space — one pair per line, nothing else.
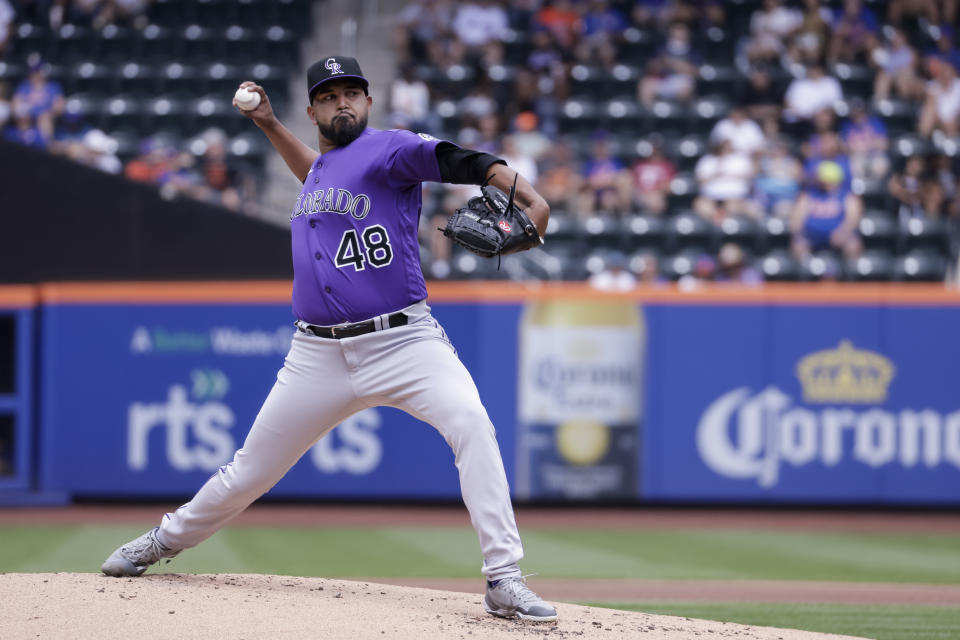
881, 622
553, 553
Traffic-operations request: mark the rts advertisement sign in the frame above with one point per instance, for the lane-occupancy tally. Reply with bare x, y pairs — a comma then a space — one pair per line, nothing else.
151, 400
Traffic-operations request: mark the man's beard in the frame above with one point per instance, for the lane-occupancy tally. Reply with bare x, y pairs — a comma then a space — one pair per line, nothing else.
343, 133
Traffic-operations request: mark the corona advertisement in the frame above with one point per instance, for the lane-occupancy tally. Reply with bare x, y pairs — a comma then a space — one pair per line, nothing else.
842, 412
580, 382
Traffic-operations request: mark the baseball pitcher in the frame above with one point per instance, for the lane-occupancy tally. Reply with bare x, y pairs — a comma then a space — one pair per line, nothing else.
364, 333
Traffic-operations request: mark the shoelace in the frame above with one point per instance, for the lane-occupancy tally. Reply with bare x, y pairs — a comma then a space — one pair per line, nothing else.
146, 549
518, 587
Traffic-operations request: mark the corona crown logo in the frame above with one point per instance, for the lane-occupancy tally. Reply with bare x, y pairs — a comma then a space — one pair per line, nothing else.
845, 374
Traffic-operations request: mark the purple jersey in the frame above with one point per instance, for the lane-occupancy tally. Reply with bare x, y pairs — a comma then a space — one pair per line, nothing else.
354, 228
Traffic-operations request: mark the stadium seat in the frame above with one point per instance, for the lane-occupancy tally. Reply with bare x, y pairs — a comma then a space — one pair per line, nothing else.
921, 265
879, 230
29, 39
668, 118
91, 76
642, 260
599, 230
778, 266
917, 233
642, 232
562, 227
717, 80
115, 43
682, 191
774, 234
741, 231
580, 115
158, 43
873, 266
637, 46
179, 79
682, 263
685, 151
688, 230
900, 116
823, 265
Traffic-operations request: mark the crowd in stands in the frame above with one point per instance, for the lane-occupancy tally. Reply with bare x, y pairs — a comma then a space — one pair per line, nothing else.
681, 140
35, 111
829, 113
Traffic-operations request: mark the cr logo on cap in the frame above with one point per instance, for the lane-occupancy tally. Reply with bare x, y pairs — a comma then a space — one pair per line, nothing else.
332, 65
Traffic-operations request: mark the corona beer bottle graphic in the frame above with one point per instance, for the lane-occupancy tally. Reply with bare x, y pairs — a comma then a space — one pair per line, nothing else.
580, 399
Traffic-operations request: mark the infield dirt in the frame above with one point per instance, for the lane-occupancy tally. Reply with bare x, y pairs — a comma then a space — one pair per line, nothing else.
86, 606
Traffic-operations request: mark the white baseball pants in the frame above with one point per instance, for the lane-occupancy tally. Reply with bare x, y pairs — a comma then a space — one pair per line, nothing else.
324, 381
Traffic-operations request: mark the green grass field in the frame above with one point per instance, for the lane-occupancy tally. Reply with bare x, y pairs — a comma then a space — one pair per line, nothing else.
564, 553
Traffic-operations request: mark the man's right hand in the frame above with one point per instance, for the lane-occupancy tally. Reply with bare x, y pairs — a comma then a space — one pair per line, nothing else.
263, 115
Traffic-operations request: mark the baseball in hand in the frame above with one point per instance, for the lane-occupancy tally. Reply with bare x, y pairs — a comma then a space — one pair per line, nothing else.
246, 99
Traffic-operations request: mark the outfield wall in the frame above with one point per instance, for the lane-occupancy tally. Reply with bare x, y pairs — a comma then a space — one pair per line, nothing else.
782, 394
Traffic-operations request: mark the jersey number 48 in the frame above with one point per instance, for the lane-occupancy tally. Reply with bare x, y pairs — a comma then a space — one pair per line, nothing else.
371, 246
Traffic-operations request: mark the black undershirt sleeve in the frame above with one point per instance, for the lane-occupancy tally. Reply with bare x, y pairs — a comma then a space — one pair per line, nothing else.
463, 166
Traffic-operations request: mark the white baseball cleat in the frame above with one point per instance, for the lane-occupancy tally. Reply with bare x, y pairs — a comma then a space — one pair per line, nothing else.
133, 558
511, 597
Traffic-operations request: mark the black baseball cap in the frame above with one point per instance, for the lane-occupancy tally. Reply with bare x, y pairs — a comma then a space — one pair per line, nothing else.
333, 68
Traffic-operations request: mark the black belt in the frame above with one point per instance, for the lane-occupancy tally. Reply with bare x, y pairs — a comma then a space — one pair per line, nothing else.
352, 330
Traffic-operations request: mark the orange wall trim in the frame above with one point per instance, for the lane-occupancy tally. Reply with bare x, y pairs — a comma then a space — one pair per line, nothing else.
18, 296
278, 292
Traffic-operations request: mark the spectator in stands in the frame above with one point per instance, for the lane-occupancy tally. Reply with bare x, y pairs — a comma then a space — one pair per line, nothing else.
724, 177
761, 95
828, 147
945, 175
808, 95
562, 20
771, 27
895, 63
410, 102
478, 103
24, 130
601, 31
423, 31
810, 40
132, 12
865, 138
826, 216
68, 137
545, 56
743, 133
221, 178
703, 270
481, 25
42, 98
651, 180
941, 105
614, 276
652, 14
945, 48
646, 268
524, 164
560, 178
527, 137
671, 74
98, 150
151, 163
7, 16
930, 10
607, 182
854, 33
732, 266
918, 193
778, 180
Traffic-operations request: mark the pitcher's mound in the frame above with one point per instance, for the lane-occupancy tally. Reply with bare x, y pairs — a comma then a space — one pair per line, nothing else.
256, 607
